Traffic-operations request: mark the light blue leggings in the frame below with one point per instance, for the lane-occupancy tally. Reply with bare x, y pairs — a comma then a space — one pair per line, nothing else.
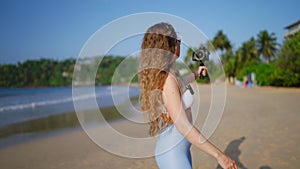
172, 150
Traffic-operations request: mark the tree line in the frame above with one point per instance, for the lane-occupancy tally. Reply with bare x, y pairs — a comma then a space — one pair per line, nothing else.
34, 73
53, 73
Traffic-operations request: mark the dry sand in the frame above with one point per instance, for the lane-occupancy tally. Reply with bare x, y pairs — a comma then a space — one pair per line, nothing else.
259, 129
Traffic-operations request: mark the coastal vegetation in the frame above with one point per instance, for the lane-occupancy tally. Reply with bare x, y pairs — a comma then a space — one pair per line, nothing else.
34, 73
53, 73
274, 64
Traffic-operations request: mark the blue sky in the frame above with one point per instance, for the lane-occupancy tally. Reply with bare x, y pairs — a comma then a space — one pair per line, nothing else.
58, 29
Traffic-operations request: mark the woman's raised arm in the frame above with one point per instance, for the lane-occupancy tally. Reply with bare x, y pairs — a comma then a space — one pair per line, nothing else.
192, 76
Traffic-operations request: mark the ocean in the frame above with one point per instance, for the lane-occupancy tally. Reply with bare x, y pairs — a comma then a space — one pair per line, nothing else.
28, 113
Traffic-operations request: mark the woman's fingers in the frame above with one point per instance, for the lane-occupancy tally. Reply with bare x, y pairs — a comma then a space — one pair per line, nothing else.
201, 71
226, 162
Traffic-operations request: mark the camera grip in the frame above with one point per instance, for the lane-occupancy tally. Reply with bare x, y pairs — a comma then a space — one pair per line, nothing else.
201, 64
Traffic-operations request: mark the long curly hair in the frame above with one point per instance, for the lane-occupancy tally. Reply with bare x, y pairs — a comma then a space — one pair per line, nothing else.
157, 61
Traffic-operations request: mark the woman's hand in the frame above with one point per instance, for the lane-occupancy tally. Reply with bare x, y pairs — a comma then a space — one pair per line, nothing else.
226, 162
197, 72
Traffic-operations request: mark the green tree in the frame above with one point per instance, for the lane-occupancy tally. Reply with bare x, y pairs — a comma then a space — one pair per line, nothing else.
8, 75
231, 63
266, 45
221, 41
288, 63
249, 53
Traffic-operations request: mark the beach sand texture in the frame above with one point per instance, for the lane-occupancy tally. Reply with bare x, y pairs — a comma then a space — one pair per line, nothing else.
259, 130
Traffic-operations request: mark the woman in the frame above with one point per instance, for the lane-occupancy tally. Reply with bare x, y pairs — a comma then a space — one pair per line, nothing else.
167, 102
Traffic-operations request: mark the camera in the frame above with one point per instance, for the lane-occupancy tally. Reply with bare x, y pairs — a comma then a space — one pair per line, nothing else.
201, 55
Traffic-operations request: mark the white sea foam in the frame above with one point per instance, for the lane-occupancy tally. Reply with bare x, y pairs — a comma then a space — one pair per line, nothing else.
43, 103
54, 101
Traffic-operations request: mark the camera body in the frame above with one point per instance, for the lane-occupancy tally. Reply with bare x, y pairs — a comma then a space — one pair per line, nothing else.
201, 55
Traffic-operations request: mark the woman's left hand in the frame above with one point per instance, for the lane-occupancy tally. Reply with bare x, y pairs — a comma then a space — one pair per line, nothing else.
201, 70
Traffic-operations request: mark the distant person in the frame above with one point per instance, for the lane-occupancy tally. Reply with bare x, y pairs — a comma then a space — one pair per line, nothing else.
253, 77
245, 81
249, 81
167, 102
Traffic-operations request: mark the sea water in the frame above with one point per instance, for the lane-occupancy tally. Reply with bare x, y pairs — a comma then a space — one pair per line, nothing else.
29, 112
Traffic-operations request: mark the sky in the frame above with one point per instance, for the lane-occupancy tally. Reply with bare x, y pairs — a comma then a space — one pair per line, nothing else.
58, 29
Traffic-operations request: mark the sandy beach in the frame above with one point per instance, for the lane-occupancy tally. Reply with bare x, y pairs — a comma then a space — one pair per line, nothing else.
259, 130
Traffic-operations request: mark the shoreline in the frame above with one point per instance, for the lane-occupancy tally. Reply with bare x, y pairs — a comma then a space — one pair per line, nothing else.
29, 130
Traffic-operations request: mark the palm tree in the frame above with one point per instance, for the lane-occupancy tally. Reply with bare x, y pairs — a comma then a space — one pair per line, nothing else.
249, 52
220, 41
239, 59
266, 44
230, 64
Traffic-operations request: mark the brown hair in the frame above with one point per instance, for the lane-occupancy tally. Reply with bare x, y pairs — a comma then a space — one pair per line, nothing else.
157, 60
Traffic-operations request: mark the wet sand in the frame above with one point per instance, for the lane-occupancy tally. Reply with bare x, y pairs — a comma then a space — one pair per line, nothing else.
259, 129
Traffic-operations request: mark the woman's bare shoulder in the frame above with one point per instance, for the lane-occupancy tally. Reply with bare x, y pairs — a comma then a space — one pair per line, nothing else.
171, 83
